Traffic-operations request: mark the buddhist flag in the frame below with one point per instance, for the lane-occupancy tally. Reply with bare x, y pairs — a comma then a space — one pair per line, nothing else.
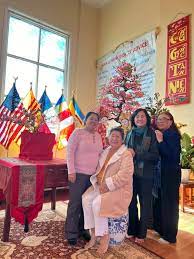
76, 111
66, 122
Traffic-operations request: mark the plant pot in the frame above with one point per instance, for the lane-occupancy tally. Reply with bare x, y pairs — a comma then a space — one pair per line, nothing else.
185, 174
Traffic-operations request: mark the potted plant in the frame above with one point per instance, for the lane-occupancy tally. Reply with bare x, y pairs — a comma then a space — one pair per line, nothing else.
154, 106
187, 157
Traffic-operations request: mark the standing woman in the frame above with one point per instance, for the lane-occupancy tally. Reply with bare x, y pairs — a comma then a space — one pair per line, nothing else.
83, 150
142, 140
166, 207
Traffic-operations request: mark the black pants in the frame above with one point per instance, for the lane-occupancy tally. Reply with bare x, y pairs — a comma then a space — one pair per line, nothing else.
166, 212
74, 224
138, 225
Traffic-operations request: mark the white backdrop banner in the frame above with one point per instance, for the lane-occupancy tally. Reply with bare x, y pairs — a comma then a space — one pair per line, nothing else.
141, 53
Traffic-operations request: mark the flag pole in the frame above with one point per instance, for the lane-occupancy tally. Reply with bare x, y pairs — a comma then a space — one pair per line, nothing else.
73, 93
7, 152
15, 79
58, 128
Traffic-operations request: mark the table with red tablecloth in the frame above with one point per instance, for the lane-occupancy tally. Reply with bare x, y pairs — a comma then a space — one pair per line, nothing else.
23, 183
2, 197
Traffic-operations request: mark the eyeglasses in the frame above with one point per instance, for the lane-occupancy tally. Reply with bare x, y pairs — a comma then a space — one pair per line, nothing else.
163, 119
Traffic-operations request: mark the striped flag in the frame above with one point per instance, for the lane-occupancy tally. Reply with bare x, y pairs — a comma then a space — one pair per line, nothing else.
50, 115
31, 106
76, 111
66, 122
30, 103
10, 113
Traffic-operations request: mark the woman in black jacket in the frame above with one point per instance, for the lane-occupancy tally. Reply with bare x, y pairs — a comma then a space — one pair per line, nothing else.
142, 140
166, 206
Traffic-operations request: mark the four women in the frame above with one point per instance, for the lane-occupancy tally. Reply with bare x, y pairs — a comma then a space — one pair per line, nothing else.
112, 189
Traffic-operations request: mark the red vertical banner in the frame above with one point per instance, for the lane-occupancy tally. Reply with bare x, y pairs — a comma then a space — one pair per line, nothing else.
178, 62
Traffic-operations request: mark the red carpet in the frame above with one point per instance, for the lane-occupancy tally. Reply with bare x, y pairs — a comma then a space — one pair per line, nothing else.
45, 240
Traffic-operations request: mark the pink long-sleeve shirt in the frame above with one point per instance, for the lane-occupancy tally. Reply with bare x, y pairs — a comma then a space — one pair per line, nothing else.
83, 152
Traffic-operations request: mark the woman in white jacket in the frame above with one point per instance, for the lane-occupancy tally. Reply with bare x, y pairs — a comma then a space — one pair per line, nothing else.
111, 190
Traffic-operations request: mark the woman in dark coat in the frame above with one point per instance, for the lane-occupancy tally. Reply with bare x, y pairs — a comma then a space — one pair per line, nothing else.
142, 140
166, 206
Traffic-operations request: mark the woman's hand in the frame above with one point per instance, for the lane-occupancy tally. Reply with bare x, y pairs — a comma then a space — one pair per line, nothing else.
103, 188
159, 136
72, 178
132, 151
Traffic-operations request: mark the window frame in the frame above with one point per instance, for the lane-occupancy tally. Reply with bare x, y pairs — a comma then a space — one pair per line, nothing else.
42, 26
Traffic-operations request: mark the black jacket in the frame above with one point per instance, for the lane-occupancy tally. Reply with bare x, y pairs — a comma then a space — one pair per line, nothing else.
149, 157
169, 150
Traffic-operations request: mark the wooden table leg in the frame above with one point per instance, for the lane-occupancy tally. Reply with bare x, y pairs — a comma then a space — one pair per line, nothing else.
53, 198
190, 194
7, 222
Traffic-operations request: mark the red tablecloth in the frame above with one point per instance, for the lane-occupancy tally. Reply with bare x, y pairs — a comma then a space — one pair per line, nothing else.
22, 183
2, 197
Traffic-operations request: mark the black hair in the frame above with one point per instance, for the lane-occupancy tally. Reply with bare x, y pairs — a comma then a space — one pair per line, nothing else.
89, 114
173, 125
148, 123
120, 130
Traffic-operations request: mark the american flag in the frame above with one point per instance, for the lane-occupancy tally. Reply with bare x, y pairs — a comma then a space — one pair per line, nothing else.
10, 109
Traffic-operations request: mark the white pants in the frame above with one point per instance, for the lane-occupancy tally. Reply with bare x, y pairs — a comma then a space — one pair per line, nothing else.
91, 202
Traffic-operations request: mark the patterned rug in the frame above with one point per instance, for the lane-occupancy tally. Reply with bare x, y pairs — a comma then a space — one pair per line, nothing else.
45, 240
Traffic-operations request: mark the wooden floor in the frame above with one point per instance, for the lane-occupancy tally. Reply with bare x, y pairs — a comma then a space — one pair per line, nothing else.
183, 249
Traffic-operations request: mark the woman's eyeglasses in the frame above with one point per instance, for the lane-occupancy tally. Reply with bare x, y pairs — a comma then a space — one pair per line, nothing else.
163, 119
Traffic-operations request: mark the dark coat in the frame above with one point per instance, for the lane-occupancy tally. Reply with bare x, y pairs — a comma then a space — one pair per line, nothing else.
149, 156
169, 150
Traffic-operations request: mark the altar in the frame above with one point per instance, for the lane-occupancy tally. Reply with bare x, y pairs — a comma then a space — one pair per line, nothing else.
23, 183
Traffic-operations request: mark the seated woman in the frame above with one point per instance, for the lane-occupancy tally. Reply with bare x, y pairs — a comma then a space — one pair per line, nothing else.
111, 190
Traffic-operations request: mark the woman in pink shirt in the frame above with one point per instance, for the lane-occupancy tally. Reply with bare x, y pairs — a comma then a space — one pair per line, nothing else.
83, 150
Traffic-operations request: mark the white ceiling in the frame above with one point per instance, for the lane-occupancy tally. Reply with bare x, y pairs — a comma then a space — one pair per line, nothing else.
96, 3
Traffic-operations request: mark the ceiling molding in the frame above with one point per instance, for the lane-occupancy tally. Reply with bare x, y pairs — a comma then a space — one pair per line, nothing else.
96, 3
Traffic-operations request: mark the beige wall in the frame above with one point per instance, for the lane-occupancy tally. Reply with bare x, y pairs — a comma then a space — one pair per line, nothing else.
80, 21
123, 20
86, 66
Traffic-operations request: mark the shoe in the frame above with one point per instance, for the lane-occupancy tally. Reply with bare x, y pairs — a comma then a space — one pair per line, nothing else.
163, 241
85, 235
72, 241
